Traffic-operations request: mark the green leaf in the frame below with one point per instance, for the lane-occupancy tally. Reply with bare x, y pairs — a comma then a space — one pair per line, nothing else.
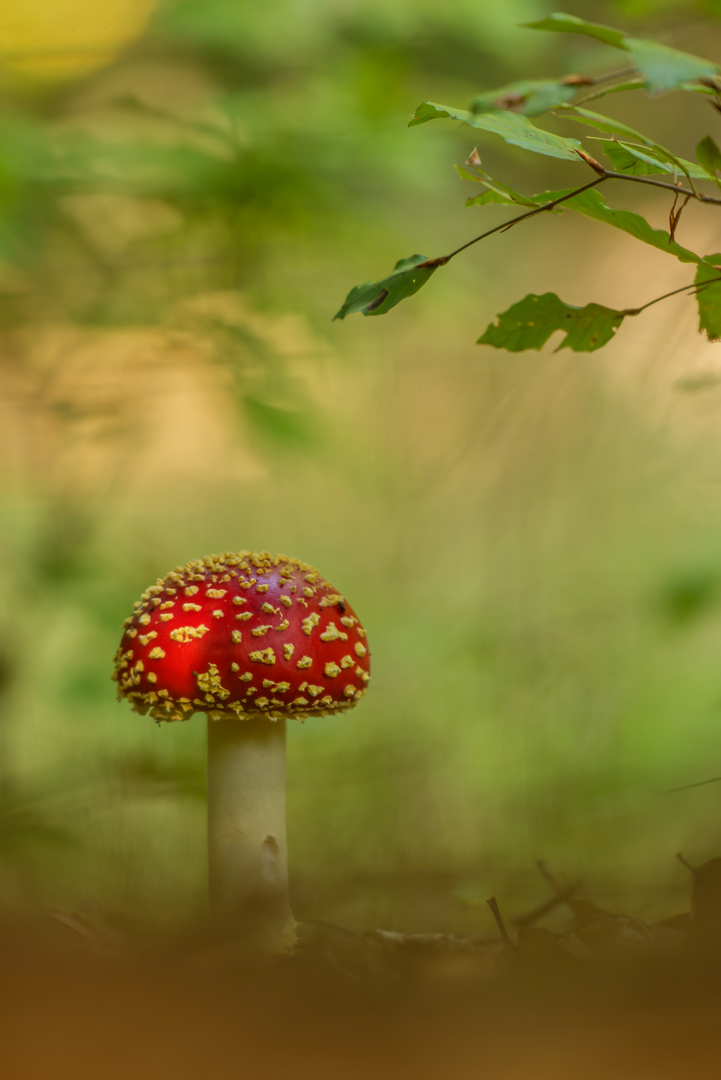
378, 297
496, 192
530, 323
606, 124
493, 195
708, 156
514, 129
624, 161
664, 68
615, 127
629, 158
675, 166
531, 97
593, 205
709, 297
569, 24
709, 87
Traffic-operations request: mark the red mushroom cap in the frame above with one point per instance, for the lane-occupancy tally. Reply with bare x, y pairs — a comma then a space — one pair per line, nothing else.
242, 635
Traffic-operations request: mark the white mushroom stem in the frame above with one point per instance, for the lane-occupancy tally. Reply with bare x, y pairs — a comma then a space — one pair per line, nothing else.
247, 852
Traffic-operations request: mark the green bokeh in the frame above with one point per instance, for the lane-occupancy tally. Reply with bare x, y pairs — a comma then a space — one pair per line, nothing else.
532, 545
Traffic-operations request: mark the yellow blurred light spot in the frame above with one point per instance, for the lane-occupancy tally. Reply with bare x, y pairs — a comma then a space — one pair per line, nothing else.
66, 39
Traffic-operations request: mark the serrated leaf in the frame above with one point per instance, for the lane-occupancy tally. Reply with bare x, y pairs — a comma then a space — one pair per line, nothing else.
378, 297
570, 24
708, 156
530, 97
530, 323
709, 297
593, 205
664, 68
514, 129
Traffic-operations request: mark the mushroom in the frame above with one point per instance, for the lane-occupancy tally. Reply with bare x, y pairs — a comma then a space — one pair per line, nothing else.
251, 640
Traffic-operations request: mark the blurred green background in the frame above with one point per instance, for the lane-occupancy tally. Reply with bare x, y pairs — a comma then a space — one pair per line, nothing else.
187, 192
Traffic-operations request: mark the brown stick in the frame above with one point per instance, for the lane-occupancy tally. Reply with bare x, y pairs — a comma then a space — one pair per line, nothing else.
493, 905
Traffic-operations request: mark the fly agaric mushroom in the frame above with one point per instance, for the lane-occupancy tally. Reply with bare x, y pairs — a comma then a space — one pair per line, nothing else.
250, 639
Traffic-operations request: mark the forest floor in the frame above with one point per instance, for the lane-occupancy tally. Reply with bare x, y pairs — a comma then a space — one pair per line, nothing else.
607, 995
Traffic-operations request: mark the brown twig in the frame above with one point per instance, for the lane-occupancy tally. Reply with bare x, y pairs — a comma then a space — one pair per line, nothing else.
675, 215
514, 221
602, 175
493, 905
694, 287
609, 174
699, 783
536, 913
548, 876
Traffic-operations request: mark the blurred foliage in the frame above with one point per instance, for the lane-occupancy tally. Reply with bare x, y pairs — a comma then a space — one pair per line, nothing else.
177, 217
690, 595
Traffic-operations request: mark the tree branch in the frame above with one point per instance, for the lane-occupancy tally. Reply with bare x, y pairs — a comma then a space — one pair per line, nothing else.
602, 175
694, 287
677, 189
521, 217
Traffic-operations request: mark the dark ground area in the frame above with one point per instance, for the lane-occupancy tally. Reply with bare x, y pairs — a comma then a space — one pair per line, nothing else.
606, 996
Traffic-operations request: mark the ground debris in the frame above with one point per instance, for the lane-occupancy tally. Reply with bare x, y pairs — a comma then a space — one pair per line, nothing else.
598, 993
593, 938
389, 955
705, 900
